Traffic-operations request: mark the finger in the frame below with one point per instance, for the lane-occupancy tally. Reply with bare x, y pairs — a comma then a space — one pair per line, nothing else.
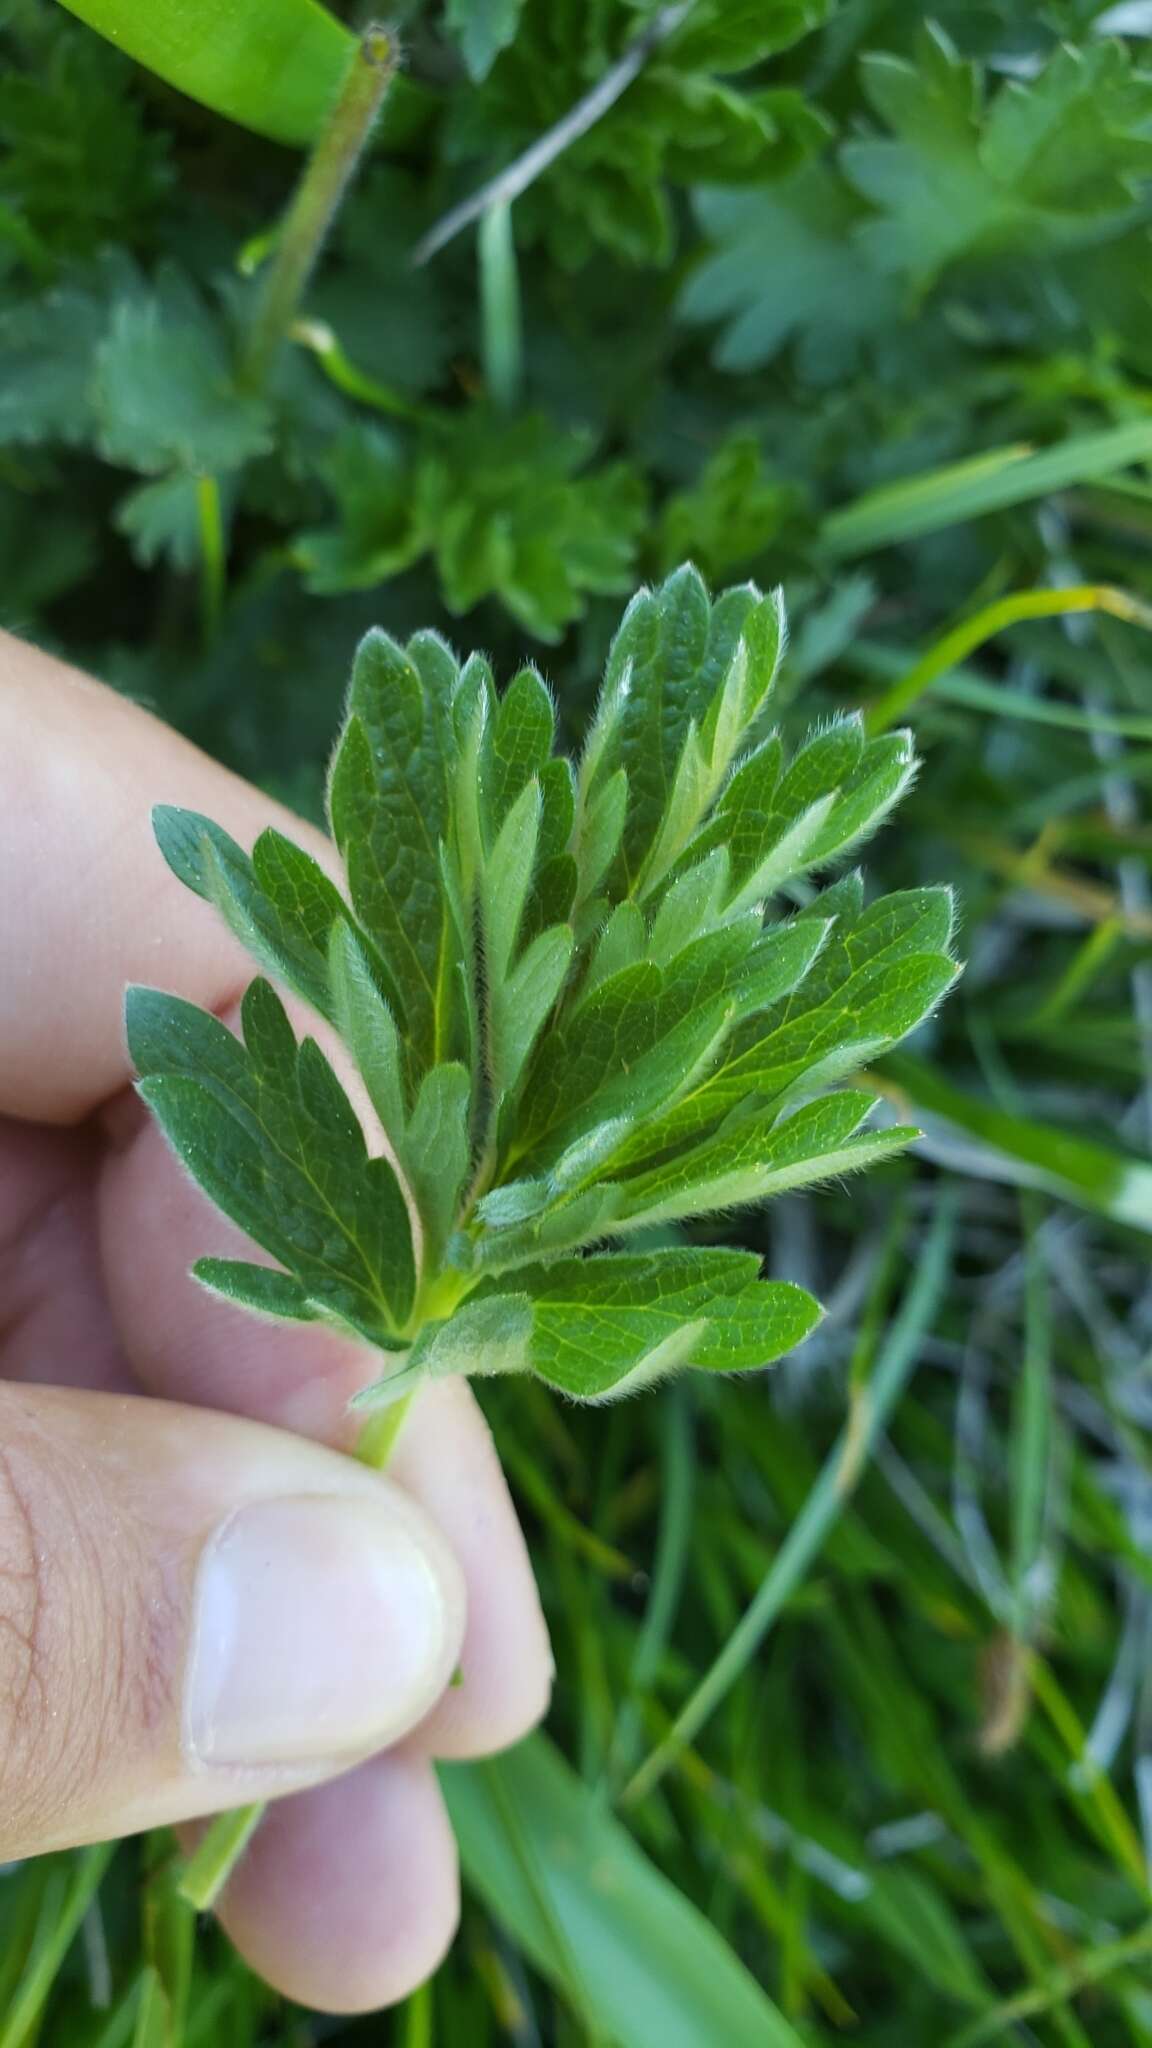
197, 1612
348, 1896
55, 1317
88, 904
189, 1345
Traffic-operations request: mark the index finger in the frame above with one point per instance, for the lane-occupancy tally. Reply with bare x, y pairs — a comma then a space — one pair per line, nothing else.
88, 903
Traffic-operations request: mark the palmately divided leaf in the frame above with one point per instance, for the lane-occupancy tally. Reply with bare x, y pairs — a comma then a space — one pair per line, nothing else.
237, 1116
571, 1002
165, 393
608, 1325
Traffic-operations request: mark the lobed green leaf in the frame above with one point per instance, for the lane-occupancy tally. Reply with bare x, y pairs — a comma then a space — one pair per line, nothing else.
570, 1011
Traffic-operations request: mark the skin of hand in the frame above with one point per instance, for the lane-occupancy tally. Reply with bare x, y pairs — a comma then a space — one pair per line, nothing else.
201, 1602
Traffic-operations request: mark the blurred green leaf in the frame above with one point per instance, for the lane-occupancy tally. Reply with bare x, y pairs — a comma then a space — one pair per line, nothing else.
165, 391
506, 508
1054, 158
983, 483
638, 1962
781, 268
679, 120
1024, 1151
483, 28
275, 65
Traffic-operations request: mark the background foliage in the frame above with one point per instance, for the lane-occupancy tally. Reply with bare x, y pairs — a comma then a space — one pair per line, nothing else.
831, 295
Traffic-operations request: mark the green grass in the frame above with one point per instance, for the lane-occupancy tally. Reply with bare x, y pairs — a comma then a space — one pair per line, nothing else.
855, 1701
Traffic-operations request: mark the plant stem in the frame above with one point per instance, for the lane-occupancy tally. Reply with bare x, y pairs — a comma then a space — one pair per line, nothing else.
416, 2019
377, 1439
319, 338
317, 196
219, 1851
212, 556
516, 177
502, 339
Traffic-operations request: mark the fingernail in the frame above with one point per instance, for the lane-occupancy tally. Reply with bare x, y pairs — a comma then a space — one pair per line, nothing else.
321, 1629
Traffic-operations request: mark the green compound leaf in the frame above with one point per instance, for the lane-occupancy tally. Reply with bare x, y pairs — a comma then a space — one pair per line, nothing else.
964, 169
505, 507
608, 1326
164, 391
267, 1130
48, 345
571, 1002
1049, 161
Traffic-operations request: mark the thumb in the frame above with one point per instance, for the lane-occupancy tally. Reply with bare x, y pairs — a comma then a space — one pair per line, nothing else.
197, 1612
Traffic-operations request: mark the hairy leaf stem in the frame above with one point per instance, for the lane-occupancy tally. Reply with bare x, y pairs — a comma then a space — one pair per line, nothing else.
316, 199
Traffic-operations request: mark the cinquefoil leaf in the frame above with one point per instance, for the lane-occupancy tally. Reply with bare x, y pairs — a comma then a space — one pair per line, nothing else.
609, 1325
573, 1006
266, 1129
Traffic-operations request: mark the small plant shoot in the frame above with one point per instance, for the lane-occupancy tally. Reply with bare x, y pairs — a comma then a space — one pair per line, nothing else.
585, 1003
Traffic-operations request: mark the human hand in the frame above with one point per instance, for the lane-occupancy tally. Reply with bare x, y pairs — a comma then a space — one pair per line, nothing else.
198, 1610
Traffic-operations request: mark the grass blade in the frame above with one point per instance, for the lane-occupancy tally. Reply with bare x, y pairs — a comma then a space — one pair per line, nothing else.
1020, 1150
638, 1961
963, 639
54, 1939
872, 1403
273, 65
991, 483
